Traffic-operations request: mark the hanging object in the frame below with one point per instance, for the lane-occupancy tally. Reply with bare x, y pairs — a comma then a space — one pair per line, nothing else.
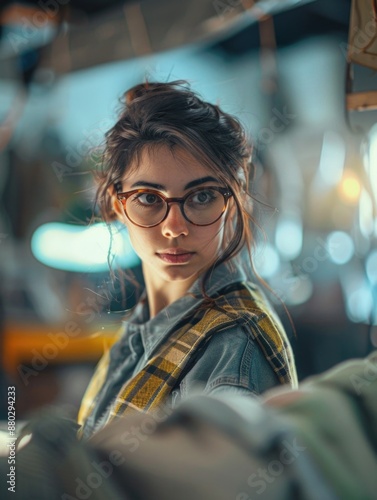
361, 50
117, 31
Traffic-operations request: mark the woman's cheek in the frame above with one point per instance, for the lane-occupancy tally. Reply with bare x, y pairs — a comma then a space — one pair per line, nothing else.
212, 239
139, 241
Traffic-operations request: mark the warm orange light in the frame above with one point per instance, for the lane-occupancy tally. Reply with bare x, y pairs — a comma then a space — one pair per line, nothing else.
350, 188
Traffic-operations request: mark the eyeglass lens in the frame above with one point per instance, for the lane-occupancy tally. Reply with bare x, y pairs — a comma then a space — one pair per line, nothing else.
202, 207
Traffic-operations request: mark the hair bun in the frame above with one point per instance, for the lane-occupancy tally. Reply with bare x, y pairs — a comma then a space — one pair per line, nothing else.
135, 92
143, 88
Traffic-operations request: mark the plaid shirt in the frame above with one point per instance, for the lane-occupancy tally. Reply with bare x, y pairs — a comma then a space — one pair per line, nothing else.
238, 304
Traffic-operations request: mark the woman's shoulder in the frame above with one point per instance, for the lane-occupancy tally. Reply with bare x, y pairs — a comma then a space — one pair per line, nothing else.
247, 346
230, 358
246, 304
246, 294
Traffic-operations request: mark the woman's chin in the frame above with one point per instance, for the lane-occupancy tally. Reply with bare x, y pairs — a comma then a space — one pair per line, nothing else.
179, 273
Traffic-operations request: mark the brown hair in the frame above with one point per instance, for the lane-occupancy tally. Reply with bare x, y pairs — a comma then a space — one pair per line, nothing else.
155, 114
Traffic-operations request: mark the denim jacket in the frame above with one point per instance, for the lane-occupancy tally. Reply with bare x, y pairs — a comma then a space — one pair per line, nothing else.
232, 359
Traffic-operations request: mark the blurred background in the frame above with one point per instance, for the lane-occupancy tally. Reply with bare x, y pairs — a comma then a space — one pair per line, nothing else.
284, 68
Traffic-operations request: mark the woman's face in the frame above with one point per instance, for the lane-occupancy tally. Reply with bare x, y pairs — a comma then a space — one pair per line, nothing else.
171, 172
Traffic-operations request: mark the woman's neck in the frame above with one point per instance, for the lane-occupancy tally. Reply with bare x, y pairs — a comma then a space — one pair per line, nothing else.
162, 293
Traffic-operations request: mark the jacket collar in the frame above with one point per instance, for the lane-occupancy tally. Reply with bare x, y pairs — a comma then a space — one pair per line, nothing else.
153, 331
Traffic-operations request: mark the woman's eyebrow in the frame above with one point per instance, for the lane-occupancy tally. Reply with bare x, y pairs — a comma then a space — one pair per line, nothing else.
189, 185
197, 182
160, 187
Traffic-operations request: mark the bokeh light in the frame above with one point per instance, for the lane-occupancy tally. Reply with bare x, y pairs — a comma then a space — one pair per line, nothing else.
350, 188
359, 305
371, 267
340, 247
288, 238
267, 261
82, 249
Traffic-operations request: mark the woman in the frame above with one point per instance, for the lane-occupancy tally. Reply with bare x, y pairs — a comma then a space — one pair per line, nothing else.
176, 173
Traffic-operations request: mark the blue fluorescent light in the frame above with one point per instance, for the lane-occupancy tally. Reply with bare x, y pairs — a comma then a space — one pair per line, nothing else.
83, 248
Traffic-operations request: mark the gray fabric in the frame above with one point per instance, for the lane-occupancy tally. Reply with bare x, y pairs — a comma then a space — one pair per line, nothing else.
319, 442
55, 466
316, 443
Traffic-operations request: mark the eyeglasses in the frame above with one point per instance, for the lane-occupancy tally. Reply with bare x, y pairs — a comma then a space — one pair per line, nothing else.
201, 207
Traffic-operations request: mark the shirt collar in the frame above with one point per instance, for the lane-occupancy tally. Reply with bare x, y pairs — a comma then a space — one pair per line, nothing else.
154, 331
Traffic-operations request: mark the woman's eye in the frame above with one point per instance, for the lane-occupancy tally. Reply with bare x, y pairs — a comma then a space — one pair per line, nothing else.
148, 199
203, 197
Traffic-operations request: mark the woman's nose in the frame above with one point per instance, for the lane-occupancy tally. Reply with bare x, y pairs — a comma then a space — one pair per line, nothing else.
175, 224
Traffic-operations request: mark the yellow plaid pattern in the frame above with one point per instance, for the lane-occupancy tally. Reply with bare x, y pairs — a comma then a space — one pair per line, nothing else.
152, 386
95, 384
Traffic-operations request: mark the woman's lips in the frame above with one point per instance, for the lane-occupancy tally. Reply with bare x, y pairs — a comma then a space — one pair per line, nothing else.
179, 258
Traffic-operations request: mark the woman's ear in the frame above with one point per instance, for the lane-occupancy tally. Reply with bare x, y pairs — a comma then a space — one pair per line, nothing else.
116, 205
